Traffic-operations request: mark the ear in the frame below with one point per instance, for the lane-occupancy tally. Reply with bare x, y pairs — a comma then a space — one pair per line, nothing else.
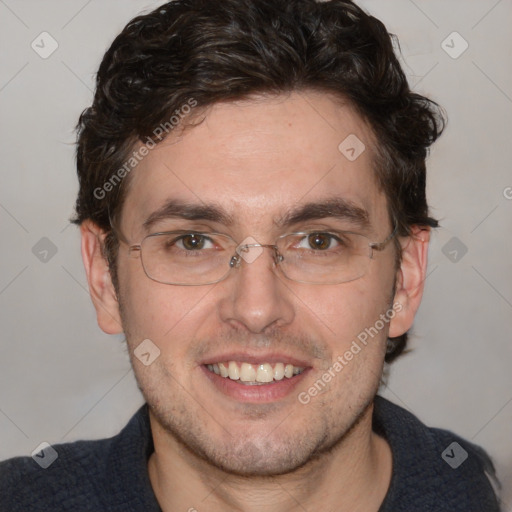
102, 290
410, 280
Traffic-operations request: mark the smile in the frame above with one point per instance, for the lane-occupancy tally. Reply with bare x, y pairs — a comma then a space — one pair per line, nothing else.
254, 374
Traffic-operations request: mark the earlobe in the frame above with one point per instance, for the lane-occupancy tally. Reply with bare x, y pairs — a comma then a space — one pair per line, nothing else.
410, 280
101, 288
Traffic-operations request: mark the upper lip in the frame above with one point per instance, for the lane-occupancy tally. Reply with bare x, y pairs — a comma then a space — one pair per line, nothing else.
255, 358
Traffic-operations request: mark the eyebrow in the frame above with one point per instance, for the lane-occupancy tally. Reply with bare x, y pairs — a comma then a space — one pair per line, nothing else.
182, 210
336, 207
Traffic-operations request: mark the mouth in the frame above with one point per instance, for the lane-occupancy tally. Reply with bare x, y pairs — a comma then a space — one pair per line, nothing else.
255, 380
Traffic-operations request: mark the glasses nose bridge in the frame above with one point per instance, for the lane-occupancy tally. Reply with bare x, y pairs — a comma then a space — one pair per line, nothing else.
242, 252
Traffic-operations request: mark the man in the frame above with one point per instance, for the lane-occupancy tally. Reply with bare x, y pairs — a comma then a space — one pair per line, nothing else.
253, 217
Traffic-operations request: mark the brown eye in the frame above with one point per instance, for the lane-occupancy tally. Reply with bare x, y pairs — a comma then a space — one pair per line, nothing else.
320, 241
193, 242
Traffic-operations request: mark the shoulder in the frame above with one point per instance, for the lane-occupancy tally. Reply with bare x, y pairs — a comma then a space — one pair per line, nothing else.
433, 469
108, 474
72, 478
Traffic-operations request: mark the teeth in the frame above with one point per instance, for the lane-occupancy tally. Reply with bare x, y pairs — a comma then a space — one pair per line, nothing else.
224, 372
233, 372
265, 373
252, 374
247, 372
279, 371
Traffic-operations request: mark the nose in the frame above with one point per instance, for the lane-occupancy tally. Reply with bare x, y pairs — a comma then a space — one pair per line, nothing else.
255, 296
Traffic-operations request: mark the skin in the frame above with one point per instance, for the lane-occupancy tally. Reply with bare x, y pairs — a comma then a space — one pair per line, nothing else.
257, 159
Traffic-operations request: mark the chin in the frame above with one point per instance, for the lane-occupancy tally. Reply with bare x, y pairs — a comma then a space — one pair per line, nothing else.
267, 460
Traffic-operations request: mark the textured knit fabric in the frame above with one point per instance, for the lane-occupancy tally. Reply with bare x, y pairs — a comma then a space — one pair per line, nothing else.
111, 474
425, 481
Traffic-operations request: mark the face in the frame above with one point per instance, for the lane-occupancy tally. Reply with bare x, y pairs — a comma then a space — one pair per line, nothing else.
266, 167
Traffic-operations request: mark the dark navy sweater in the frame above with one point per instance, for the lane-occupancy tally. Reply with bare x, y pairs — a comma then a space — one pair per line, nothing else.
433, 471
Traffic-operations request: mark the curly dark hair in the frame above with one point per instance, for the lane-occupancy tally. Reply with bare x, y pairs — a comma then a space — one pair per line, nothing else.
232, 49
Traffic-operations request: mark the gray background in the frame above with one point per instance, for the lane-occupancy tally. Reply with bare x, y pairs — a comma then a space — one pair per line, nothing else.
62, 379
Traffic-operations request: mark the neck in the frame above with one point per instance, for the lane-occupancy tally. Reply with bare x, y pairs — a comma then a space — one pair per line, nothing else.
353, 476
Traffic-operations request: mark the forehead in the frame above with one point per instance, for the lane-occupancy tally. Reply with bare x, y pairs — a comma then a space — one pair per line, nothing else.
259, 158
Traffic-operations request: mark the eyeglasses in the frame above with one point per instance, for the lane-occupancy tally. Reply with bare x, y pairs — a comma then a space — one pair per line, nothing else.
190, 258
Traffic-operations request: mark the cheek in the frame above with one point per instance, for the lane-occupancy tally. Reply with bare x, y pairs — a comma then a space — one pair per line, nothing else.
349, 308
157, 311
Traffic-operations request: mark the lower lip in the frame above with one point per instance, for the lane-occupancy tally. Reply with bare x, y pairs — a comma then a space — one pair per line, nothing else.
262, 393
